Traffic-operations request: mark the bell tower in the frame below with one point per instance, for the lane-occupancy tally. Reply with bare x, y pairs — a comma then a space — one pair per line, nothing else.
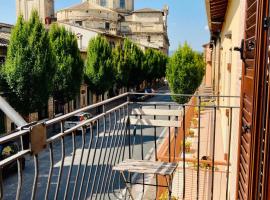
45, 9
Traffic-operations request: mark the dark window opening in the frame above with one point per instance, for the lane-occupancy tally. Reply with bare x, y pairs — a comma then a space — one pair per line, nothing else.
2, 59
148, 38
78, 23
107, 25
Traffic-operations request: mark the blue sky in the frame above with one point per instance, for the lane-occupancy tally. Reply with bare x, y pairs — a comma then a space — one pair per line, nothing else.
187, 18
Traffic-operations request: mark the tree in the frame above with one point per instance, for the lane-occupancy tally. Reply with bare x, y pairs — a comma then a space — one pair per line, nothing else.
121, 70
99, 73
29, 66
127, 61
163, 61
154, 65
69, 65
185, 72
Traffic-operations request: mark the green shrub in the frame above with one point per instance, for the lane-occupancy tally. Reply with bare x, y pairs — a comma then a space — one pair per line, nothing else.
185, 72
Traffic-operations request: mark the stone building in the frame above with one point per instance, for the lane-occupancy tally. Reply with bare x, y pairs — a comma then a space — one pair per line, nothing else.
45, 8
5, 31
227, 32
146, 27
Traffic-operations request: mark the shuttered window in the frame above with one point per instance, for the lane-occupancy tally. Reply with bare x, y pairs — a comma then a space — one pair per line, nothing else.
247, 98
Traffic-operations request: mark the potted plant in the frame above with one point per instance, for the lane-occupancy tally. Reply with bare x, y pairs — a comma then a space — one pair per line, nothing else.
203, 105
191, 133
187, 146
196, 112
165, 196
195, 122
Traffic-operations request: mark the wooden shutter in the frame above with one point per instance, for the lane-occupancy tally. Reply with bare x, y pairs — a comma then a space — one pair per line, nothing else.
252, 109
247, 99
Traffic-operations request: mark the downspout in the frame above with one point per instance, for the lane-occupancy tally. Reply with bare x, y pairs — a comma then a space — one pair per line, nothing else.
219, 64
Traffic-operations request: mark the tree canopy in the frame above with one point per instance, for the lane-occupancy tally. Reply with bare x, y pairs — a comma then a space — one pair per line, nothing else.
154, 64
69, 65
99, 70
127, 61
29, 66
185, 72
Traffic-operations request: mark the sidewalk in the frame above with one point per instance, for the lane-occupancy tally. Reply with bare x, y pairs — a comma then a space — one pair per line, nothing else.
205, 175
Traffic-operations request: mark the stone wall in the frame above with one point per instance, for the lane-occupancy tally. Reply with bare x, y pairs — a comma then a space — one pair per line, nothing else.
45, 8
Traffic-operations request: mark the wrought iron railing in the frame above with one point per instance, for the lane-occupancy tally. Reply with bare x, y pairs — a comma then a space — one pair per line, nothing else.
76, 163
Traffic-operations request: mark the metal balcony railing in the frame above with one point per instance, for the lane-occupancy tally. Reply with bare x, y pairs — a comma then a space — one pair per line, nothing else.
76, 163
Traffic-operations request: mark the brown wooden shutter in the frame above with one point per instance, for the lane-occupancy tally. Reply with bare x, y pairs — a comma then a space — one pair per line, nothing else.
247, 99
252, 108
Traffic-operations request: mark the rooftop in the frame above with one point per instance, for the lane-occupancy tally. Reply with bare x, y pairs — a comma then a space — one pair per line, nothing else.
147, 10
87, 6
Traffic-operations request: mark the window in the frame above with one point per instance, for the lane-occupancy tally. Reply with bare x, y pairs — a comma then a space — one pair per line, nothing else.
148, 38
78, 23
2, 59
107, 25
103, 3
122, 4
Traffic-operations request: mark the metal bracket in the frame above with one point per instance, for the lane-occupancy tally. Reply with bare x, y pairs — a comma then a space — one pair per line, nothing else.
266, 22
241, 50
38, 136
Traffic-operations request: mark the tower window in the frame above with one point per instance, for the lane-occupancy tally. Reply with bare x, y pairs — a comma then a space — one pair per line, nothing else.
122, 4
103, 3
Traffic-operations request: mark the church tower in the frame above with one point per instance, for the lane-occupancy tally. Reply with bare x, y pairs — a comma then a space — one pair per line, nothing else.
45, 9
121, 5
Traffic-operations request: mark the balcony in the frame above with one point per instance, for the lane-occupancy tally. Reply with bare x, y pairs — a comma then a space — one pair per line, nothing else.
80, 162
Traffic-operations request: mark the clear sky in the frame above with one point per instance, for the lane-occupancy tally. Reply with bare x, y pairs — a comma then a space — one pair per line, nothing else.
187, 18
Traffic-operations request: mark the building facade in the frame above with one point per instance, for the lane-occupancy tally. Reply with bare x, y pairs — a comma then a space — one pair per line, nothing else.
227, 32
6, 124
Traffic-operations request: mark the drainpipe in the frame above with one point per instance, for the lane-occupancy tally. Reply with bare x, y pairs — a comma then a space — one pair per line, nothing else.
219, 65
11, 113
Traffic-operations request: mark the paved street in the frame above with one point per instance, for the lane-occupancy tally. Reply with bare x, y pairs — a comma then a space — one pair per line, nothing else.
100, 172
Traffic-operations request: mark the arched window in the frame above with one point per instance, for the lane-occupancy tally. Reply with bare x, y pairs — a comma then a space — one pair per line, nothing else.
122, 4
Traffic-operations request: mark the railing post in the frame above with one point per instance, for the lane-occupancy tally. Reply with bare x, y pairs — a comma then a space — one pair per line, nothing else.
213, 154
169, 140
198, 148
229, 155
184, 151
128, 127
